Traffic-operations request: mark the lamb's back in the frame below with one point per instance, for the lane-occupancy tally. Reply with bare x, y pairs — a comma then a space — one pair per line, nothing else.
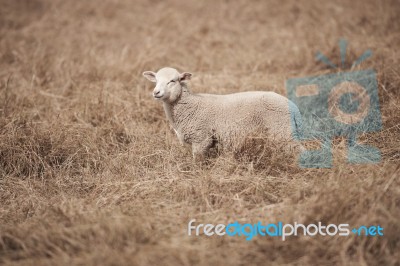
252, 111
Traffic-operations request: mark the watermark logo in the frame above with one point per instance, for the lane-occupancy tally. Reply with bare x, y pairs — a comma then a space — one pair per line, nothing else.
340, 104
280, 230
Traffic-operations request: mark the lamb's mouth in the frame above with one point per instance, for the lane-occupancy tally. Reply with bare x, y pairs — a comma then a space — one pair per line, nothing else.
158, 96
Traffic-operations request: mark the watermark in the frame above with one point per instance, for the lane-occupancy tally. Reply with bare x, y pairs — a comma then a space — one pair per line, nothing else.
281, 230
340, 104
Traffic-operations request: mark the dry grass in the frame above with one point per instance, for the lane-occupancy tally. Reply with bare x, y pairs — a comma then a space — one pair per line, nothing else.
90, 172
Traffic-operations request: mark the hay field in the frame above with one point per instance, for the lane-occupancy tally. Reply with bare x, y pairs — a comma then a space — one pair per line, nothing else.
92, 174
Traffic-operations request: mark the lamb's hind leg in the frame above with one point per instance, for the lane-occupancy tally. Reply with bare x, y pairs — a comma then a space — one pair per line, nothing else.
200, 149
288, 144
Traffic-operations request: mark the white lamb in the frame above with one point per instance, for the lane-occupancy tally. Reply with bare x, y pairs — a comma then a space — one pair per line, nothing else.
204, 119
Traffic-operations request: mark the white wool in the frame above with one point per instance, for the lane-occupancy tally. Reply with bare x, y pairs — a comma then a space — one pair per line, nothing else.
203, 119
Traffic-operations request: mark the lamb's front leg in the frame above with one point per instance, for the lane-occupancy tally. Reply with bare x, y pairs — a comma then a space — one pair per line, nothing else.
199, 150
180, 137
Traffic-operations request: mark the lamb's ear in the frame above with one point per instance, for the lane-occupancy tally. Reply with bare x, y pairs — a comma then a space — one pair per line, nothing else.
150, 75
185, 76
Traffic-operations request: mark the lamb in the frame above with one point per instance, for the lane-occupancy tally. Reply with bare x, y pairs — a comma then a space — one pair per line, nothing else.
202, 120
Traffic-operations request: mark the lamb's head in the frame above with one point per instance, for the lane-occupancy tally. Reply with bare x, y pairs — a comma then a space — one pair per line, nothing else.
169, 83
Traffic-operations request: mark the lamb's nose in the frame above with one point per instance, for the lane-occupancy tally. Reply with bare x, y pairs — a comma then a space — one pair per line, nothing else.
156, 92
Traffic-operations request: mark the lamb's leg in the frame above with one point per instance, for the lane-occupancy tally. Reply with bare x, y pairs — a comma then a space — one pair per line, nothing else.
180, 137
293, 147
199, 150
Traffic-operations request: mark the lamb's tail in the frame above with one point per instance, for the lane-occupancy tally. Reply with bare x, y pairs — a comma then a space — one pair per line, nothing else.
296, 121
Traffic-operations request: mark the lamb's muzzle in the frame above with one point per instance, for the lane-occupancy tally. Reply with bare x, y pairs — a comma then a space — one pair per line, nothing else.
203, 119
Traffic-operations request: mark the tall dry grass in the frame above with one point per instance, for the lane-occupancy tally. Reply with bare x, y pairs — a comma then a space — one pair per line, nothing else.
90, 172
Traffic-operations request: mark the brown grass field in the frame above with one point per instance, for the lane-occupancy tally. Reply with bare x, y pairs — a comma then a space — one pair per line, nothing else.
92, 174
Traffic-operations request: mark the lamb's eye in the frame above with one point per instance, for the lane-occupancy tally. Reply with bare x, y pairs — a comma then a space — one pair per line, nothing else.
172, 81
